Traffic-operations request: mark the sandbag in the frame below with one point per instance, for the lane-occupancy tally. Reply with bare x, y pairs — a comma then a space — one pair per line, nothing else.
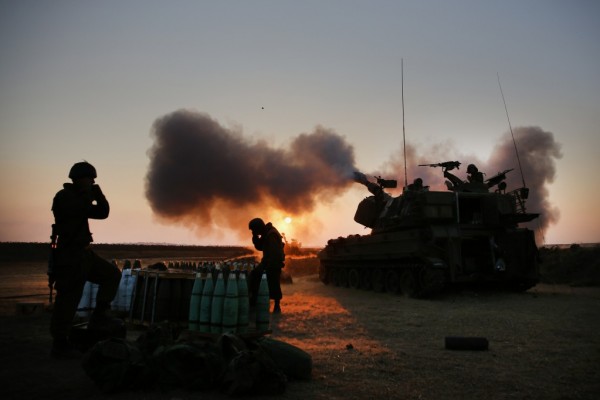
293, 361
163, 334
252, 372
114, 364
193, 366
249, 370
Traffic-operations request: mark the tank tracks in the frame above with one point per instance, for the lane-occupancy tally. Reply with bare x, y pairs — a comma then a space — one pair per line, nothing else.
414, 280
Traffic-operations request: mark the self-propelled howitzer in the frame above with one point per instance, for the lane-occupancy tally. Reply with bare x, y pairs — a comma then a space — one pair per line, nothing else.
422, 241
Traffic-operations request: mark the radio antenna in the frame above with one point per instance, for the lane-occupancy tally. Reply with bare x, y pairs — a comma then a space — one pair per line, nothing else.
403, 129
511, 131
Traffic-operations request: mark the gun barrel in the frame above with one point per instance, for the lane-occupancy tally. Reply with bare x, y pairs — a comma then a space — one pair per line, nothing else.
387, 183
359, 177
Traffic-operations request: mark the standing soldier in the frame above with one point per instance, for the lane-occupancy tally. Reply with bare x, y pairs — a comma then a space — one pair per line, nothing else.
75, 262
267, 239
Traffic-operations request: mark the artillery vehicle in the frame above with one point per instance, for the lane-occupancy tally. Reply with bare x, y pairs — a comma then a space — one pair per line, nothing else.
422, 241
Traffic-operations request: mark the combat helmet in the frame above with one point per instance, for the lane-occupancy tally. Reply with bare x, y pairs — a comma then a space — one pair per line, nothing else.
82, 169
256, 224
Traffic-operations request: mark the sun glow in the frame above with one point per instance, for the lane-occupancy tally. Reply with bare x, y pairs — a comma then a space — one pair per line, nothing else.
288, 220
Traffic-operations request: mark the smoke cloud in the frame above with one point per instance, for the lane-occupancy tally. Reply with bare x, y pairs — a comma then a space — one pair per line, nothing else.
209, 177
538, 152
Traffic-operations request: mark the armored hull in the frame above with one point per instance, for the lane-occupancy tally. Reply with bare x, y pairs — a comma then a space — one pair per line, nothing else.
422, 241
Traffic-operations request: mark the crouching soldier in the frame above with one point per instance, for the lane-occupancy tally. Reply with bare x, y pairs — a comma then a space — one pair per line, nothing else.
266, 238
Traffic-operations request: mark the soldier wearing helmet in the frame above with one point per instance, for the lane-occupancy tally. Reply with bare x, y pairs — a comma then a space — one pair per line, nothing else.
267, 239
74, 261
417, 186
473, 174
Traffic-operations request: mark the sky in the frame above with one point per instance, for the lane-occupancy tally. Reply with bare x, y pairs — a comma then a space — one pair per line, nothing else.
102, 81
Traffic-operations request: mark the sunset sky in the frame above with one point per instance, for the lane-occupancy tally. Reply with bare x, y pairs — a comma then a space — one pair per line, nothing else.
88, 81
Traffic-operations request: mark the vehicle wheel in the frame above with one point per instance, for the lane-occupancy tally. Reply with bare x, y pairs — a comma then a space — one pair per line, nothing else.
408, 284
335, 276
325, 274
392, 282
343, 277
365, 278
377, 280
354, 278
431, 280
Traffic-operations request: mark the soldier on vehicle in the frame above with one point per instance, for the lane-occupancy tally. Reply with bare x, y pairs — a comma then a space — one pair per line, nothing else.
417, 186
267, 239
473, 174
74, 262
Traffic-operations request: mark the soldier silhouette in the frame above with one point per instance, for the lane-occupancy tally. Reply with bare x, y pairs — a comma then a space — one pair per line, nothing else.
74, 262
267, 239
417, 186
473, 174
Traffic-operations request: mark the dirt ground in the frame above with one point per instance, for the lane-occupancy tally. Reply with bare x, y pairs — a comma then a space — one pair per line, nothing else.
543, 344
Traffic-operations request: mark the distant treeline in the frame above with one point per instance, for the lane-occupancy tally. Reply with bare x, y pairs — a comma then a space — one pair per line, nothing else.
576, 265
13, 251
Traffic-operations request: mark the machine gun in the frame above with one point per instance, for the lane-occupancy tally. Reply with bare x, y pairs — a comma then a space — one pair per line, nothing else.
446, 166
496, 179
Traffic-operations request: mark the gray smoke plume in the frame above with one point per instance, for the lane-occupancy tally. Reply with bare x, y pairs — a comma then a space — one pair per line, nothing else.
209, 177
538, 152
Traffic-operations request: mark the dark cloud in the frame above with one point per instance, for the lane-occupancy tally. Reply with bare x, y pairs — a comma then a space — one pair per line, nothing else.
203, 174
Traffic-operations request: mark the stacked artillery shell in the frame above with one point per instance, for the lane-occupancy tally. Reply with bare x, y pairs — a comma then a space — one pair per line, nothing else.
130, 283
206, 304
194, 317
262, 305
220, 303
87, 302
218, 298
122, 301
243, 304
230, 305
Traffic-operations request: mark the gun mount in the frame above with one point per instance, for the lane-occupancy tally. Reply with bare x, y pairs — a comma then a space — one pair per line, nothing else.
422, 241
498, 179
375, 188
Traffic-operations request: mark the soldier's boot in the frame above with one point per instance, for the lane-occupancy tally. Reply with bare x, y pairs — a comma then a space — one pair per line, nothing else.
277, 307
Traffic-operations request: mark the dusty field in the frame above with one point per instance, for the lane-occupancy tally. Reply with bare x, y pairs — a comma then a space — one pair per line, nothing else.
544, 344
